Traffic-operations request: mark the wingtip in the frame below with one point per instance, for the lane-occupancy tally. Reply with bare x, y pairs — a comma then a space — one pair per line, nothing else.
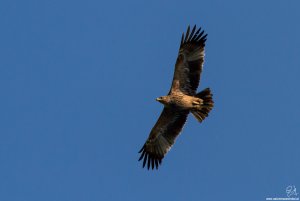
145, 159
142, 155
149, 161
193, 36
156, 163
187, 34
141, 149
192, 33
182, 38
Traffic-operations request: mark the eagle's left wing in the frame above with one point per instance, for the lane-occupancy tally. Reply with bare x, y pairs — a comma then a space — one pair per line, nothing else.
162, 136
189, 62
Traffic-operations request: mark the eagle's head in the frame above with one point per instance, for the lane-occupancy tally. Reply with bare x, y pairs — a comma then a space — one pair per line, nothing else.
163, 99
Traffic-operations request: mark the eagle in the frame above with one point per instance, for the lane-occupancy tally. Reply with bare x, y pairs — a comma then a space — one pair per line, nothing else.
181, 99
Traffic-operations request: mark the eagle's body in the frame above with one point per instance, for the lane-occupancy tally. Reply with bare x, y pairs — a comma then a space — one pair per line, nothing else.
181, 99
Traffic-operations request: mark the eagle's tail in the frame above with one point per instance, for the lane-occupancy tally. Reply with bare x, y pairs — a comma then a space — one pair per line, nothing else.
206, 106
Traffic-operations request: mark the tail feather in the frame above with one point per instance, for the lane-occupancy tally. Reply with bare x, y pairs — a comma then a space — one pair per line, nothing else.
208, 103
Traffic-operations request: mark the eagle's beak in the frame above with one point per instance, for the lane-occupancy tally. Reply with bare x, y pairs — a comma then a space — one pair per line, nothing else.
158, 99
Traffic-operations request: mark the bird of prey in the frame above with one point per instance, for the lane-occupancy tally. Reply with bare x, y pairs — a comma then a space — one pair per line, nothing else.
181, 99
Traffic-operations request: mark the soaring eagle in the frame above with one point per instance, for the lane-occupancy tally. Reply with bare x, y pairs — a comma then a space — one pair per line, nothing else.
181, 99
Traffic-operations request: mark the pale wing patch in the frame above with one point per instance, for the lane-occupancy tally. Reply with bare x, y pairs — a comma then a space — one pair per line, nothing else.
196, 54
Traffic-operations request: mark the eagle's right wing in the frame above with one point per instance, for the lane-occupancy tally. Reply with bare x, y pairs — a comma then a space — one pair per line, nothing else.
189, 62
162, 136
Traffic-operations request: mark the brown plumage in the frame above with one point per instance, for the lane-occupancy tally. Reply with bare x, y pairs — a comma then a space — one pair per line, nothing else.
181, 99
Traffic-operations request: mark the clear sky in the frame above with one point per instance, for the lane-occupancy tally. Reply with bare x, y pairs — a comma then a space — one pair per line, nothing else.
78, 82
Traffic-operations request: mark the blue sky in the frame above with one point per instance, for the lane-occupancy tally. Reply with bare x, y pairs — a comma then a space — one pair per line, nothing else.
78, 82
